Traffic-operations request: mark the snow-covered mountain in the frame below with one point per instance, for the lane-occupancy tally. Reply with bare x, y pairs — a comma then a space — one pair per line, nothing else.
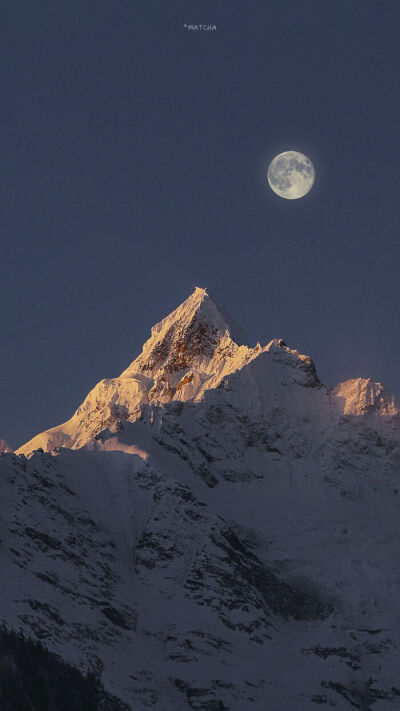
190, 352
214, 529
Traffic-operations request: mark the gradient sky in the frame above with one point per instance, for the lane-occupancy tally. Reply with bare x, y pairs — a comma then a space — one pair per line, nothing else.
134, 162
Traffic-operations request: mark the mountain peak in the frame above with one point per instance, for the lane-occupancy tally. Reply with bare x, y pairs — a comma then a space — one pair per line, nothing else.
187, 336
198, 305
359, 396
202, 306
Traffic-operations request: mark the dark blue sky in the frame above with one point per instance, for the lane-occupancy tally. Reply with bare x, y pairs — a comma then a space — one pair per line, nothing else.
134, 168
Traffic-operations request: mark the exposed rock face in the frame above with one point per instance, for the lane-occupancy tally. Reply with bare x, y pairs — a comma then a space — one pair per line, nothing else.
188, 337
239, 550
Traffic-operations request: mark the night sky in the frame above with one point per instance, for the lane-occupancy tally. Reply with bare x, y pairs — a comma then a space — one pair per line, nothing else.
134, 160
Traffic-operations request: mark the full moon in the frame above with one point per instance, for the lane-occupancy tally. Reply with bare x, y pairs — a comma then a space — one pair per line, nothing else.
291, 175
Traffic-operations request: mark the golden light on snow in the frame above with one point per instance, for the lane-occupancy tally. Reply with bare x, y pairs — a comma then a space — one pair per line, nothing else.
291, 175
